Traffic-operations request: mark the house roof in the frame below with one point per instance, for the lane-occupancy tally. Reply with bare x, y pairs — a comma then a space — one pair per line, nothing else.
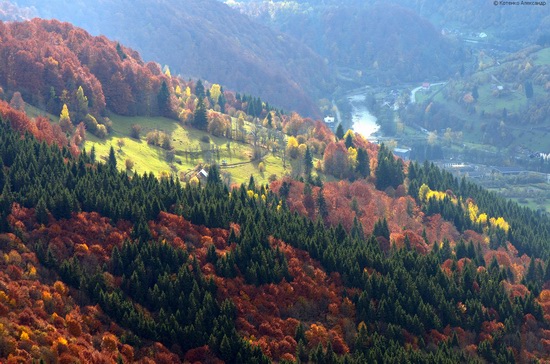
203, 173
401, 150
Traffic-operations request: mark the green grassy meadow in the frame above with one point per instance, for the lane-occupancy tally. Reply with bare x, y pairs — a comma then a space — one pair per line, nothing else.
189, 149
542, 57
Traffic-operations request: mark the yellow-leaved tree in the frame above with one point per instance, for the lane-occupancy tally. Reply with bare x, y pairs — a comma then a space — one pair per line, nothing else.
65, 119
215, 92
292, 147
352, 157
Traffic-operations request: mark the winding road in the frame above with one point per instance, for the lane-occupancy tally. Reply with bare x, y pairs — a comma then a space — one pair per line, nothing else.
415, 90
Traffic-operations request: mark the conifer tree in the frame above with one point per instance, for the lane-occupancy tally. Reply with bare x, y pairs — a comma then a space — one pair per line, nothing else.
322, 204
308, 163
199, 90
213, 175
200, 120
349, 140
92, 154
120, 52
339, 132
163, 99
389, 172
41, 212
111, 162
363, 163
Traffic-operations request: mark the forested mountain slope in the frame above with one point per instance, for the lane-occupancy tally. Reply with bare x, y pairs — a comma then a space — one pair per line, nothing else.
386, 43
206, 39
441, 277
386, 261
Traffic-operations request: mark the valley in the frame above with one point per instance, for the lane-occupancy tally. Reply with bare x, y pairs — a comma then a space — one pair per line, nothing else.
150, 217
446, 119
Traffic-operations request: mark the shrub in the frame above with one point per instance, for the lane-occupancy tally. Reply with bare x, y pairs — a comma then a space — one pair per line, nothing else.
153, 137
135, 132
91, 123
129, 164
101, 131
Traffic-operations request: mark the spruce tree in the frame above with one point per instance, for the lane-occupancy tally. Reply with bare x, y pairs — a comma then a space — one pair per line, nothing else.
349, 140
163, 99
41, 212
363, 163
200, 120
92, 154
120, 52
213, 175
199, 90
111, 162
308, 163
389, 172
322, 204
339, 132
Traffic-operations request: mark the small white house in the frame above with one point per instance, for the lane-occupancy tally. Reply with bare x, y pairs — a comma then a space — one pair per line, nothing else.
403, 153
202, 174
329, 120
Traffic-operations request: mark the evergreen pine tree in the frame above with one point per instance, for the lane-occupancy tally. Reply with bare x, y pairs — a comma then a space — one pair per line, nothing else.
322, 204
300, 334
389, 172
200, 121
199, 90
111, 162
381, 229
41, 212
363, 163
213, 175
339, 132
349, 140
120, 52
251, 183
308, 163
163, 99
92, 154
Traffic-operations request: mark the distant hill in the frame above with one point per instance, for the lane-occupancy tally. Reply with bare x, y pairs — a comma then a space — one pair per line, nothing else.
386, 42
48, 61
508, 22
206, 39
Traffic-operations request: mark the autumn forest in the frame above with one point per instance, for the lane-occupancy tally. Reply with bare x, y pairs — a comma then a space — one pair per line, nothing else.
347, 254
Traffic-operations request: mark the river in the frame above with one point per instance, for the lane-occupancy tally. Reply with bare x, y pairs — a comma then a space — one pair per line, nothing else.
363, 122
